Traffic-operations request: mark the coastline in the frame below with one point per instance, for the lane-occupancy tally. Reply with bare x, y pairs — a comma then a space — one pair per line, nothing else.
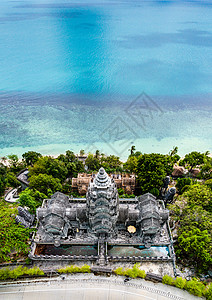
145, 145
53, 129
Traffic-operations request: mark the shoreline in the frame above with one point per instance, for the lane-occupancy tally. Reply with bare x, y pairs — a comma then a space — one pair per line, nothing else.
145, 145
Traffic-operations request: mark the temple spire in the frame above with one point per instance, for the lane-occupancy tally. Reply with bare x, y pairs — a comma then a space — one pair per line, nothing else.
102, 179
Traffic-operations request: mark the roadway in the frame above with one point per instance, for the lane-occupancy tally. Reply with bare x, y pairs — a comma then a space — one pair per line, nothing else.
90, 287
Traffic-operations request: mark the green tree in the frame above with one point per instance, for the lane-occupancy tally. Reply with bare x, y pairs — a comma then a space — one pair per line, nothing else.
111, 164
82, 152
173, 155
206, 169
97, 154
26, 199
137, 153
199, 194
131, 164
50, 166
31, 157
191, 218
193, 159
68, 157
45, 184
92, 162
182, 183
187, 218
196, 245
13, 237
152, 169
12, 181
132, 149
3, 178
31, 199
73, 164
15, 164
173, 151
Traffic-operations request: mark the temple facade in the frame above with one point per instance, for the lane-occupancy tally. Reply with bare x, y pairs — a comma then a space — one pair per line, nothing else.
103, 229
126, 182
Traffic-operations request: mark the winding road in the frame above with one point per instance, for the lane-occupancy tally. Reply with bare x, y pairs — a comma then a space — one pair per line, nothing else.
90, 287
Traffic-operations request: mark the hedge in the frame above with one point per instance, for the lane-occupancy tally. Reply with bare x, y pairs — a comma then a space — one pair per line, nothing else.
75, 269
193, 286
133, 273
7, 273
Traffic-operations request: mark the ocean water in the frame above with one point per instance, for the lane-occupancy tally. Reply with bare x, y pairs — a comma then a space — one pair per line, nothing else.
105, 75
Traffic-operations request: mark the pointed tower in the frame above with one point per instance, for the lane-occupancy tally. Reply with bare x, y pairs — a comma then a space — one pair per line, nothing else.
102, 204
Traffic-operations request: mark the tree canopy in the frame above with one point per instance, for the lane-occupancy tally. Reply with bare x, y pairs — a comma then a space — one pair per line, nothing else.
15, 164
31, 157
193, 159
50, 166
131, 164
31, 199
193, 220
13, 237
3, 178
45, 184
72, 163
151, 170
197, 245
110, 163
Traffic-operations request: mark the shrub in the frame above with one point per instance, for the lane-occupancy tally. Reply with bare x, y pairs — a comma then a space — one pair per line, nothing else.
136, 272
119, 271
195, 287
185, 188
209, 183
155, 192
180, 282
208, 292
120, 191
17, 272
7, 273
28, 261
133, 273
35, 271
4, 273
182, 183
141, 274
85, 269
75, 269
13, 237
168, 280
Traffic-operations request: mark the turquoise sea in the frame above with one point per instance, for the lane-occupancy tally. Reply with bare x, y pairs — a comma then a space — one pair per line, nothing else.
105, 74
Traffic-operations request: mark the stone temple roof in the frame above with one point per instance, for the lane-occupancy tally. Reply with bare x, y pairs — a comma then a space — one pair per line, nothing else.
100, 225
102, 179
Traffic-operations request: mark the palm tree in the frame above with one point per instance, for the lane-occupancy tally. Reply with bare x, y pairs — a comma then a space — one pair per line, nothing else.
132, 149
4, 159
97, 154
82, 152
174, 151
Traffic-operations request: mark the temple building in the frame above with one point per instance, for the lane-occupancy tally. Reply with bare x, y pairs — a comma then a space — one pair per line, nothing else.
127, 182
104, 230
